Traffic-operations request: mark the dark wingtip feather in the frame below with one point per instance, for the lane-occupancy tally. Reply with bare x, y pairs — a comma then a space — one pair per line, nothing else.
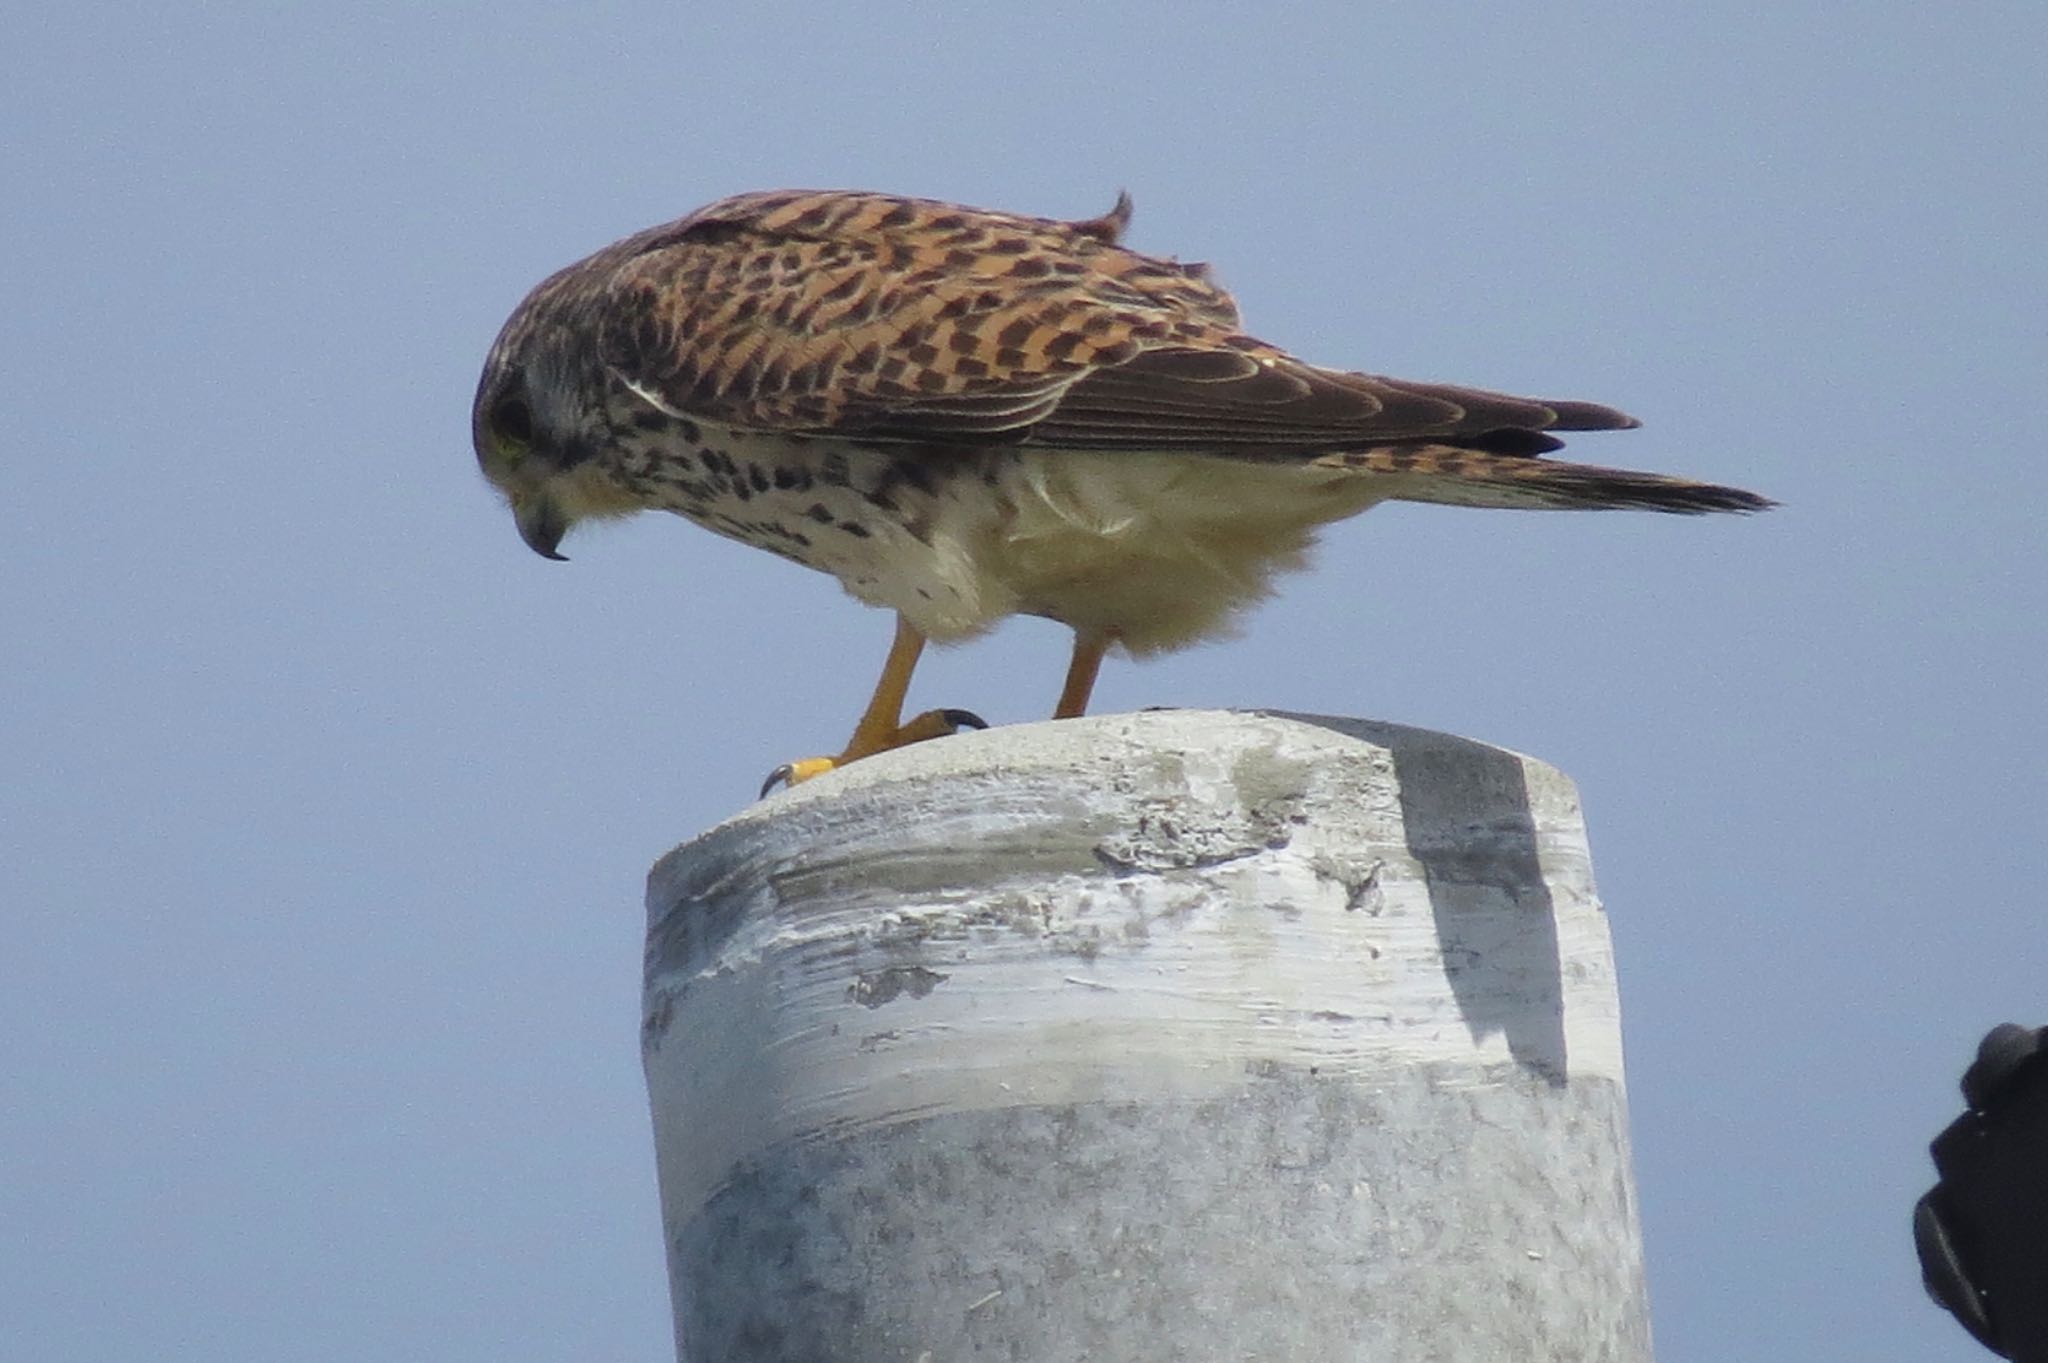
1514, 440
1733, 499
1623, 488
1588, 416
1708, 500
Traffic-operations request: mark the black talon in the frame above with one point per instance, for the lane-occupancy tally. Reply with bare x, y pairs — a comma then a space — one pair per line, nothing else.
964, 719
780, 776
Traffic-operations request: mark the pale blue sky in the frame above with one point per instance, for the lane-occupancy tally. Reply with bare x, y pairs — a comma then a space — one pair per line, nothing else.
328, 804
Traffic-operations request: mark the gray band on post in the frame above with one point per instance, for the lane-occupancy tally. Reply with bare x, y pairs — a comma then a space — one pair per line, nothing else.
1175, 1036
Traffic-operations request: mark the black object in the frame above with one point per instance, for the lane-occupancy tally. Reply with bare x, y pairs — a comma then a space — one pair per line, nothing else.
1982, 1231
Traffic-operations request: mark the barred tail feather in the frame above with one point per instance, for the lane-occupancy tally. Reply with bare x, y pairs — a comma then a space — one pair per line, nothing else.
1452, 476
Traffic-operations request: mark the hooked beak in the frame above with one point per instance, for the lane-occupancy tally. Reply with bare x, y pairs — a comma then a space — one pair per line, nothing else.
541, 524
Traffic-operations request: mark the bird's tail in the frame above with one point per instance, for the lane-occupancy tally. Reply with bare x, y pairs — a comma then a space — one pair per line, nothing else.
1455, 476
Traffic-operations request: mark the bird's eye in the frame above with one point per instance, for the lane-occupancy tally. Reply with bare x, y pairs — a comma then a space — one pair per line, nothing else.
512, 425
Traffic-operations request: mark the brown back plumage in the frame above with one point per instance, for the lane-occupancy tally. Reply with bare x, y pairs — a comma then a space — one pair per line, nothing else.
865, 312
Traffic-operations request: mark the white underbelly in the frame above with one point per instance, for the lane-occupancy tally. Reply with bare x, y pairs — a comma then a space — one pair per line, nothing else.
1157, 551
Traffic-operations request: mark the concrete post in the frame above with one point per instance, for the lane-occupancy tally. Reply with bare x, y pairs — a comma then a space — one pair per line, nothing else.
1158, 1038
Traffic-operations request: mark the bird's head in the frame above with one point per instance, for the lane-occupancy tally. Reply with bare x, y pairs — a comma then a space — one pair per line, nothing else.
540, 424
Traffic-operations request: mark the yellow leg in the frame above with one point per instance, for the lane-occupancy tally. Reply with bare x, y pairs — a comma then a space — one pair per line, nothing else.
1088, 651
881, 725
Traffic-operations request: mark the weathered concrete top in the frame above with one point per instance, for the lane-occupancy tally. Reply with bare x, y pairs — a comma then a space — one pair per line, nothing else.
1141, 906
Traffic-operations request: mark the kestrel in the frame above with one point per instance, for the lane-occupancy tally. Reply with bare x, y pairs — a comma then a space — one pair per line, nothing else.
966, 415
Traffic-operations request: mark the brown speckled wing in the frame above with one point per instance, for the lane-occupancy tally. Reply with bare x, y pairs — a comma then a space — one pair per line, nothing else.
867, 314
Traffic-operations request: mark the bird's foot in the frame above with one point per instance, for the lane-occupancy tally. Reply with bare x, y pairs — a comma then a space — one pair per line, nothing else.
930, 724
